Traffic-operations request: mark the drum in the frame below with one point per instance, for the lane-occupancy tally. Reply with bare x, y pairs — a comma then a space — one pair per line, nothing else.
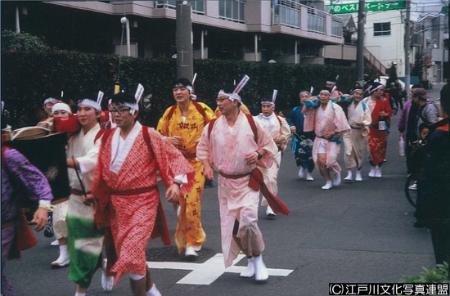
47, 151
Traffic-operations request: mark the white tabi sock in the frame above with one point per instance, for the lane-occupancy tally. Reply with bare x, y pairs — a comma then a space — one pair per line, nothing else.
153, 291
63, 252
80, 294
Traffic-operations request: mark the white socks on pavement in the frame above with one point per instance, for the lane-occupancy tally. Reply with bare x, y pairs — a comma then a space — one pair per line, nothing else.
301, 172
358, 176
349, 176
153, 291
250, 271
378, 173
269, 212
256, 268
261, 272
327, 185
337, 179
63, 258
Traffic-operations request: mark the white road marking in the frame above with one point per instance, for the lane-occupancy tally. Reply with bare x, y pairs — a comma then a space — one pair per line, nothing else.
209, 271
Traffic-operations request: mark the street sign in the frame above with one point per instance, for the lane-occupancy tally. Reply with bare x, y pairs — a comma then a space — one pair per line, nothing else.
444, 10
369, 6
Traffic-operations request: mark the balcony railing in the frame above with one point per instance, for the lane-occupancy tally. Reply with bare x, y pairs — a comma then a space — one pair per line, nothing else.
337, 28
198, 6
316, 21
285, 15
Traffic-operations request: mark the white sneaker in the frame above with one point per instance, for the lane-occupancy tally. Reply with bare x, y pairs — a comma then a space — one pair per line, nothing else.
378, 173
358, 176
337, 179
270, 213
413, 186
372, 172
349, 176
261, 272
190, 252
301, 172
153, 291
309, 177
327, 185
107, 282
250, 271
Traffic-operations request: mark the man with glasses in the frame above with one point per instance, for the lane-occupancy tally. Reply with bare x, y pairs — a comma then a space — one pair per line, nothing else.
125, 187
182, 125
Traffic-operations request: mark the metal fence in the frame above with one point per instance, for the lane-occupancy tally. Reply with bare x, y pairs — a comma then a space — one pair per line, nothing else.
316, 21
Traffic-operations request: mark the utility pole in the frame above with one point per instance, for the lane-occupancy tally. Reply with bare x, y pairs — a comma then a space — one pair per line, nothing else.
185, 64
360, 43
407, 43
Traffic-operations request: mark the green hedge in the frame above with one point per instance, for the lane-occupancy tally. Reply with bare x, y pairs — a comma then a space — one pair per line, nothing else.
28, 77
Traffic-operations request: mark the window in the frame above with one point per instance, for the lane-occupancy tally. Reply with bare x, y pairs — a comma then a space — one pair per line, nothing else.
381, 29
232, 10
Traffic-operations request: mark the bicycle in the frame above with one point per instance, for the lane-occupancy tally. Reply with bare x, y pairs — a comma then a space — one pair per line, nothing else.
410, 189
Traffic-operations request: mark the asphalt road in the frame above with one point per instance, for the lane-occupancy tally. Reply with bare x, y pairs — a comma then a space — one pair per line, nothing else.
359, 232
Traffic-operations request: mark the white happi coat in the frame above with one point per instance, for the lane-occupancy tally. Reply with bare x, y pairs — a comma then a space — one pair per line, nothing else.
225, 149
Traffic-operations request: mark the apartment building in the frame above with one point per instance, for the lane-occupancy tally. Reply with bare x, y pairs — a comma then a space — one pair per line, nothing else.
384, 36
430, 32
290, 31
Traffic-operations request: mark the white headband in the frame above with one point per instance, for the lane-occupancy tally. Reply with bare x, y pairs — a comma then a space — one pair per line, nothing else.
61, 107
50, 100
232, 96
90, 103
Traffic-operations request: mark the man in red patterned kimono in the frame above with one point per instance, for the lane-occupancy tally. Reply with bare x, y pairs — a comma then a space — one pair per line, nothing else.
125, 187
381, 112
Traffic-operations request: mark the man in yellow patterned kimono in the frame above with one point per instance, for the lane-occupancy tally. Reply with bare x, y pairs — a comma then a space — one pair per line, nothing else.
182, 125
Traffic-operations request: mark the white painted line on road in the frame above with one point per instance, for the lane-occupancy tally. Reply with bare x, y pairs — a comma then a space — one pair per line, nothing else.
209, 271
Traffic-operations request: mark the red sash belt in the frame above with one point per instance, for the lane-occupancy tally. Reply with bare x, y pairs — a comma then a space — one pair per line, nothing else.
256, 183
134, 191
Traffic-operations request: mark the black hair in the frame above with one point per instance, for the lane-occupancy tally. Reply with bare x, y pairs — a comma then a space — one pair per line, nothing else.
123, 97
183, 81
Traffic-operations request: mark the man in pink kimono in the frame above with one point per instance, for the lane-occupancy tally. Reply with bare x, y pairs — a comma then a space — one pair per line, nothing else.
329, 123
233, 145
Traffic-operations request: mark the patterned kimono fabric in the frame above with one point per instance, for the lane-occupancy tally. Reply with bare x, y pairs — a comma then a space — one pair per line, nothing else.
378, 138
237, 201
132, 195
189, 230
301, 145
85, 241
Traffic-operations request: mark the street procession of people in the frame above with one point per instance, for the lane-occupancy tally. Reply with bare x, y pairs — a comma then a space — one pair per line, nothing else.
107, 205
